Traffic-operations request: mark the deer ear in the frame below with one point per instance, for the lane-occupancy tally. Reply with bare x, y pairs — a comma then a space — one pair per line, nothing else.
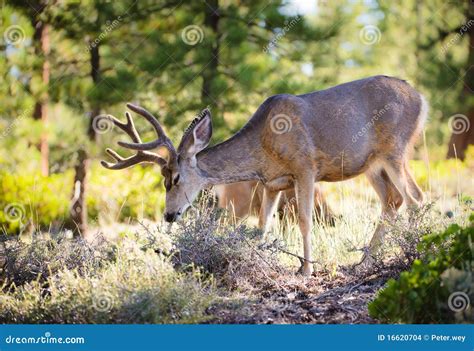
202, 132
198, 135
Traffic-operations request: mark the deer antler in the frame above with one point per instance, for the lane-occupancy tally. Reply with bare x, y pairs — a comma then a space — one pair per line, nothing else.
141, 155
162, 139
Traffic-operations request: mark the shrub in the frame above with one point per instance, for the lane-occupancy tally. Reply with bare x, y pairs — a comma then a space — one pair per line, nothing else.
132, 286
404, 235
42, 256
236, 255
32, 200
439, 286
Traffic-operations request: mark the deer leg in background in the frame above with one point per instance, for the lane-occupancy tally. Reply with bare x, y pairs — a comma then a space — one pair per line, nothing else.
321, 207
391, 200
237, 198
269, 205
304, 188
271, 199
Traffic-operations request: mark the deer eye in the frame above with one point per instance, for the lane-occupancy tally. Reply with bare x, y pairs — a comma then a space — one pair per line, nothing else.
176, 180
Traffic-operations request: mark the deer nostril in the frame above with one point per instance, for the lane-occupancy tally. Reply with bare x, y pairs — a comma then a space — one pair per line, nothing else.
170, 217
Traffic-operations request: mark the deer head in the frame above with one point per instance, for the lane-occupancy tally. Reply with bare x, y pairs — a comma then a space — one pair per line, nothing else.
182, 178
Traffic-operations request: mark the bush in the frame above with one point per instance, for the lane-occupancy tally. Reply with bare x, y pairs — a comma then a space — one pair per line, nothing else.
405, 234
29, 200
236, 255
131, 286
438, 288
33, 198
22, 262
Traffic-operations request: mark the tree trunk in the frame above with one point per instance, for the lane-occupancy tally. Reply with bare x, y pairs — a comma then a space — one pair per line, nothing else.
210, 72
42, 49
463, 133
78, 207
78, 202
95, 75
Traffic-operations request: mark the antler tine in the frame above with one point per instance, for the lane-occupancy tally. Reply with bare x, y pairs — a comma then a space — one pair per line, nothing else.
162, 139
132, 160
115, 155
140, 156
128, 127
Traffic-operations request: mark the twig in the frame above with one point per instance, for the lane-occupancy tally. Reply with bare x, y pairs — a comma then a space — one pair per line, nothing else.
302, 259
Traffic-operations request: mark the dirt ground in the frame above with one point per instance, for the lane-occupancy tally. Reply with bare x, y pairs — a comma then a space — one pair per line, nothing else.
338, 298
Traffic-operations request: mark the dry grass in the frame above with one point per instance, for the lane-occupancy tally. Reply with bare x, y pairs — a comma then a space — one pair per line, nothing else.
205, 269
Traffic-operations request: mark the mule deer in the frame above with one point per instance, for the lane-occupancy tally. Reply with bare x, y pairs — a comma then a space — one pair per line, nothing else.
244, 199
365, 126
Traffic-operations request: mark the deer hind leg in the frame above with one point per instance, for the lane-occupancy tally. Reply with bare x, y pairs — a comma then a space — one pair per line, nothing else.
391, 200
414, 188
397, 174
269, 204
305, 199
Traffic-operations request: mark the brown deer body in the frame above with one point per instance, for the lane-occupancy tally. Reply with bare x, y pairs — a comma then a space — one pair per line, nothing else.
244, 199
365, 126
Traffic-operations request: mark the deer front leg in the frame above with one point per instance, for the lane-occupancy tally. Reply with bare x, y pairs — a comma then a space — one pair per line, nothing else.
269, 205
305, 200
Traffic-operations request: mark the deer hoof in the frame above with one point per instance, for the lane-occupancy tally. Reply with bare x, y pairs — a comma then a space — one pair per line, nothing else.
306, 270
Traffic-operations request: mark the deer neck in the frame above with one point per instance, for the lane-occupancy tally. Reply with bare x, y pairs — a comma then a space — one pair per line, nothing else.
234, 160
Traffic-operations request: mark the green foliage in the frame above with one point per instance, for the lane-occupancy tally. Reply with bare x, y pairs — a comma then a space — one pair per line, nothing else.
32, 197
119, 196
429, 291
261, 50
44, 201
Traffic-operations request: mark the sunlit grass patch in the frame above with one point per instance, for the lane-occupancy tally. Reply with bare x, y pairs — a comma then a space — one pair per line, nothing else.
448, 187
